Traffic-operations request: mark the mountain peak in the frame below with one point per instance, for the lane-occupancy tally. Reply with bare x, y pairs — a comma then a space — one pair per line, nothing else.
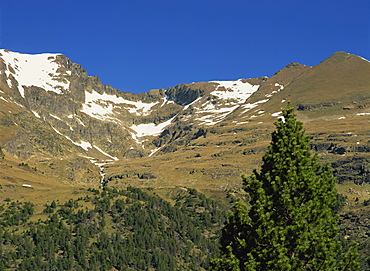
341, 79
40, 70
344, 58
339, 57
292, 66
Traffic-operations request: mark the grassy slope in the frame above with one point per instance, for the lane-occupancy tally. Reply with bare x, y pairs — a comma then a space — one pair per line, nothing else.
44, 188
342, 80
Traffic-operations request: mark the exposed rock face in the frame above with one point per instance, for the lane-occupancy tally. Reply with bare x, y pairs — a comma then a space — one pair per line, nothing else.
132, 153
184, 94
20, 145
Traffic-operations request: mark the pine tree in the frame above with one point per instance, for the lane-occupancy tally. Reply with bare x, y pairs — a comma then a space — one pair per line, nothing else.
290, 224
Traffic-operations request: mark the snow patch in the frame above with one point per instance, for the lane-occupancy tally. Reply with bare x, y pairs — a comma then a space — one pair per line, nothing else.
166, 101
281, 87
235, 90
34, 70
55, 117
153, 151
100, 165
214, 115
242, 122
101, 105
19, 104
364, 59
75, 117
84, 144
106, 154
193, 102
249, 106
99, 110
9, 82
80, 122
149, 129
36, 114
276, 114
2, 98
230, 95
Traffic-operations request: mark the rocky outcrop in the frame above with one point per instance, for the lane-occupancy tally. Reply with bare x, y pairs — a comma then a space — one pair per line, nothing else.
184, 94
178, 135
133, 153
354, 169
20, 145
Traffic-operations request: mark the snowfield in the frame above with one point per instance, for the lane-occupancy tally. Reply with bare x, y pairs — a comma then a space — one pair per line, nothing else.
22, 68
101, 106
230, 95
235, 90
149, 129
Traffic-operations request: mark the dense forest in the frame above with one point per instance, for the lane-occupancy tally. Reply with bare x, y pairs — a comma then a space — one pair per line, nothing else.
112, 229
132, 229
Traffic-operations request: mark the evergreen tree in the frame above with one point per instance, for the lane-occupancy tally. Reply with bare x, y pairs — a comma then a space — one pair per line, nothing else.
290, 224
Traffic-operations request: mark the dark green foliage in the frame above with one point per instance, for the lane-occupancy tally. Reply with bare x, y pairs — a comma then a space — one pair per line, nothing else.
290, 224
366, 202
126, 230
2, 155
50, 208
16, 213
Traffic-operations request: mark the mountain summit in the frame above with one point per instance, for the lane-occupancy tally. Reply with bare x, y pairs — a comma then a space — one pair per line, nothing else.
69, 125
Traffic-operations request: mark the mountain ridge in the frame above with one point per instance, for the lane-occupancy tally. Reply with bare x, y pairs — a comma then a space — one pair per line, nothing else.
66, 114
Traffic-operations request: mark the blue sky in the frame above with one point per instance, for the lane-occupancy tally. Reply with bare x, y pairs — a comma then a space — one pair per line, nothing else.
139, 45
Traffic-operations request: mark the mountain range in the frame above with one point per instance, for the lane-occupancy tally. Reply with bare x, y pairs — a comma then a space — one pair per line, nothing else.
169, 160
71, 128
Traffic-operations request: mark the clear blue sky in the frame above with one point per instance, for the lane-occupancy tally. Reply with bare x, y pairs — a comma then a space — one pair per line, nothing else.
139, 45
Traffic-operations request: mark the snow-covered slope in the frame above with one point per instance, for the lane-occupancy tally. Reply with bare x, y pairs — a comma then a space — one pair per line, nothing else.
237, 90
227, 97
39, 70
101, 106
